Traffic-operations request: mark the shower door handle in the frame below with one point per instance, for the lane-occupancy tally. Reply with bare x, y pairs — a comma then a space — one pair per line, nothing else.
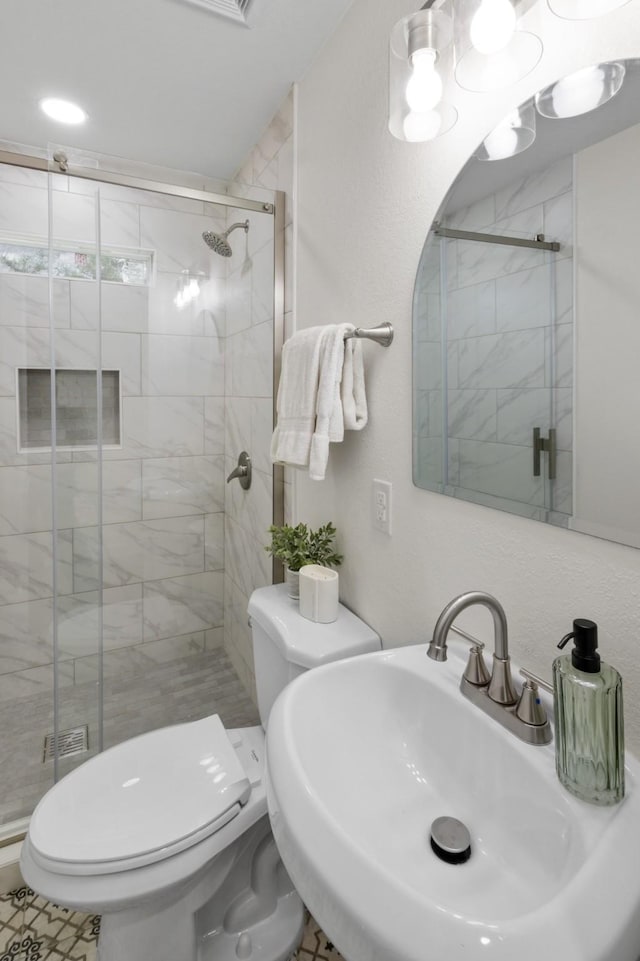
547, 444
242, 471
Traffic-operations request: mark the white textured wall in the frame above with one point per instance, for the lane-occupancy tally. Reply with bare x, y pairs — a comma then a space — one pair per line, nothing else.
608, 295
365, 202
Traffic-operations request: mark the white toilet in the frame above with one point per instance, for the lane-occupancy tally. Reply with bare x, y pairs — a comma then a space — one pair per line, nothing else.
167, 835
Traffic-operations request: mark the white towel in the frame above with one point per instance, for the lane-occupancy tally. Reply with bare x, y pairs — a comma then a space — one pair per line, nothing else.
330, 419
352, 392
321, 394
297, 397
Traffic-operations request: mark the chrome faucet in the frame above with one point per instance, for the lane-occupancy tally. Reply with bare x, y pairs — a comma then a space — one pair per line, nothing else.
493, 693
500, 687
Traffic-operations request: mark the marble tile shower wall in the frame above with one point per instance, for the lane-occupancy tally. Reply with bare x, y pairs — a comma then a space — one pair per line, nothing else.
163, 488
249, 388
504, 349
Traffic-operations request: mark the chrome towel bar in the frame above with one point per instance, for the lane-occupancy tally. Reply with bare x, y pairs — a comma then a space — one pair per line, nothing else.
382, 334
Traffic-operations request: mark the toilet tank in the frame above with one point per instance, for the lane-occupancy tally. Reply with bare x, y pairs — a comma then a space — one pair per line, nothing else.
285, 644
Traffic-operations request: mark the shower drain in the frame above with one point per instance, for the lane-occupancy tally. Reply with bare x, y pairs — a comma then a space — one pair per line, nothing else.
73, 741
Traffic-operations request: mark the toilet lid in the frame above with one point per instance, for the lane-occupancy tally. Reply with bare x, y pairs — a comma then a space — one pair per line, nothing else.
169, 787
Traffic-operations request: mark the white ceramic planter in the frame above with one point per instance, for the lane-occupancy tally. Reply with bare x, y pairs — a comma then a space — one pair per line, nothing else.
292, 580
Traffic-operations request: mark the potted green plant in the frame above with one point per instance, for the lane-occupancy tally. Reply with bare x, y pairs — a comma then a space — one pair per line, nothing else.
299, 545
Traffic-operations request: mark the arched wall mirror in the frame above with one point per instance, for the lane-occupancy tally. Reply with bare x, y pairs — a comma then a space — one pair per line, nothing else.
526, 325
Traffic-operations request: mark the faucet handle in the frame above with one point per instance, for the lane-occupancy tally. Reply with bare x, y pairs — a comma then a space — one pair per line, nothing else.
476, 670
530, 708
528, 676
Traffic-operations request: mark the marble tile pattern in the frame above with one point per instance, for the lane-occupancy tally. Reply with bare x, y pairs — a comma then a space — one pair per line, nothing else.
146, 528
34, 929
509, 323
146, 686
249, 382
141, 539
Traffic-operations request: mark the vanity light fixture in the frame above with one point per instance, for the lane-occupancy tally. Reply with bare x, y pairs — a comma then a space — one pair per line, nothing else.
512, 136
584, 9
490, 50
492, 26
580, 92
482, 37
63, 111
416, 65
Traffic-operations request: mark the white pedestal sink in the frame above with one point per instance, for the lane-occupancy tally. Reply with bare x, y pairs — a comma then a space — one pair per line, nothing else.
364, 754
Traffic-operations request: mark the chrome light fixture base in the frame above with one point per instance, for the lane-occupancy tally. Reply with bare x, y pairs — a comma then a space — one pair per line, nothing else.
426, 31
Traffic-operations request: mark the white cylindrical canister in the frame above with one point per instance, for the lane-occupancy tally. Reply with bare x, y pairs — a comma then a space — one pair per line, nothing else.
319, 590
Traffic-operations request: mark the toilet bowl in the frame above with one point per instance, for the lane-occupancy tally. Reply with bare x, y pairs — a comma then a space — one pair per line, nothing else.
167, 836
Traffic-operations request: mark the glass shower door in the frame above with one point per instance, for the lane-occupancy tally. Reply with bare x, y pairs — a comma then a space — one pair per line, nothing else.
134, 361
83, 408
149, 549
492, 374
26, 555
499, 368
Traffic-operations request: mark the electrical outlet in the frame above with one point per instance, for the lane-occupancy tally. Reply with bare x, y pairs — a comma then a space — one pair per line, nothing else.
382, 506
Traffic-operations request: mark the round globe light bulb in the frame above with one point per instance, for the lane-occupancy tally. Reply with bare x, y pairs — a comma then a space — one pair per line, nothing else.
492, 26
501, 142
424, 89
578, 93
62, 110
420, 127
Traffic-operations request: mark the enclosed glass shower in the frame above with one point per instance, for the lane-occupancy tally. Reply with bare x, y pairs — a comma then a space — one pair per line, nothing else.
136, 363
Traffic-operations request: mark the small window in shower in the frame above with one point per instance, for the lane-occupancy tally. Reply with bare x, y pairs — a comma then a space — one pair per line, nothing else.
76, 262
76, 409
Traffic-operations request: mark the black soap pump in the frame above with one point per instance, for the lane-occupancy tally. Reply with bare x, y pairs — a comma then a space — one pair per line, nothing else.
589, 719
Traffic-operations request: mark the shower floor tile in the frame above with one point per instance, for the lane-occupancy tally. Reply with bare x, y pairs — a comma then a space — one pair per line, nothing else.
33, 929
183, 689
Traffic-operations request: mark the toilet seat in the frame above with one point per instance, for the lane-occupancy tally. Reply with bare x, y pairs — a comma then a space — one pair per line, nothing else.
122, 809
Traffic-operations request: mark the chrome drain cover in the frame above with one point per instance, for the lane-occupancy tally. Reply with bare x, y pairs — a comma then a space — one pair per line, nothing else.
450, 840
75, 740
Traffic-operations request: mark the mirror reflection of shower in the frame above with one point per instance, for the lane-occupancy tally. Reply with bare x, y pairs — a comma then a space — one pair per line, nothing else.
219, 243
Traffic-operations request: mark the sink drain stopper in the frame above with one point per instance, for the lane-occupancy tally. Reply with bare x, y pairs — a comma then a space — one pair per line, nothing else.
451, 840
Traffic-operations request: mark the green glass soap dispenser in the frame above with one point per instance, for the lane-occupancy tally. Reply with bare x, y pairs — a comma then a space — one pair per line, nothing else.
589, 719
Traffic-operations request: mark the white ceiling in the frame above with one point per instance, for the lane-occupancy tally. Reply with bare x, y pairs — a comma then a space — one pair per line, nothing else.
163, 81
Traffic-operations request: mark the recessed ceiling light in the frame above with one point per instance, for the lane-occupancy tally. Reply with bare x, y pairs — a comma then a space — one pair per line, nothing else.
62, 110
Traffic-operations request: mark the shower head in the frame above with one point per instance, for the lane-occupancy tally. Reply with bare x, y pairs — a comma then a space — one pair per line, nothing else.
219, 243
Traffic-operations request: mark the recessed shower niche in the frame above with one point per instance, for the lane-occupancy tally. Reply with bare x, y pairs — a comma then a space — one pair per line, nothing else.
76, 409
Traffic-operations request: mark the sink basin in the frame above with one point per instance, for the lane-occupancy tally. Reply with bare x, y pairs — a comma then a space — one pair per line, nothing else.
364, 754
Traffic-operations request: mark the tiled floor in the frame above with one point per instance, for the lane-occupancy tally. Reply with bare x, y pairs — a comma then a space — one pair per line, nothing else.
182, 689
316, 946
32, 929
